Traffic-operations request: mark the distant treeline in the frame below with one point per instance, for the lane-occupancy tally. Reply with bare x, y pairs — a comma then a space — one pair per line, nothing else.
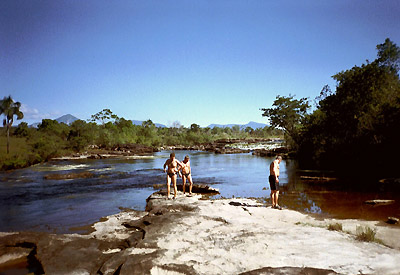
355, 129
52, 139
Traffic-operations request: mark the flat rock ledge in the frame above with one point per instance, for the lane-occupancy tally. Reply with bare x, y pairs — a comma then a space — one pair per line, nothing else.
191, 235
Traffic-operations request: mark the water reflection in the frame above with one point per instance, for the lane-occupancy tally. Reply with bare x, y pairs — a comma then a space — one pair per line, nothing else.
29, 201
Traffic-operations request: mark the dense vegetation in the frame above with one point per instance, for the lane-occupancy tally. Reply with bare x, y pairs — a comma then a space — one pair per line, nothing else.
353, 129
106, 130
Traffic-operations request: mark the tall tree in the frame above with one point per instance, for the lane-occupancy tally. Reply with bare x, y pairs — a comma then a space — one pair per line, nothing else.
389, 55
358, 122
10, 109
195, 127
103, 116
287, 113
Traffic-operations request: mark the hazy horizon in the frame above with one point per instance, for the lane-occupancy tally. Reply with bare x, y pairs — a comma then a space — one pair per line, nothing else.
188, 61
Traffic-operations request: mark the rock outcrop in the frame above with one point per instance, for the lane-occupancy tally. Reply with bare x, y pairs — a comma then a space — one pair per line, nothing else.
118, 151
379, 202
283, 151
69, 176
191, 235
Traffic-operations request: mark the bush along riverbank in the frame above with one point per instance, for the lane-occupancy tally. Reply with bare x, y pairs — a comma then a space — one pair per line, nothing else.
26, 155
116, 137
197, 236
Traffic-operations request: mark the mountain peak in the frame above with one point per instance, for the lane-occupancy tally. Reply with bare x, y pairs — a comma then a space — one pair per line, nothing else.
67, 119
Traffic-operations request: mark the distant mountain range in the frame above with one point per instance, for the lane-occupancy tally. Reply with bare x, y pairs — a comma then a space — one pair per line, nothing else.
139, 122
68, 119
251, 124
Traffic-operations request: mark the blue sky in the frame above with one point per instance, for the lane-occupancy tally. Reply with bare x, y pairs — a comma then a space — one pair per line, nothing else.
194, 61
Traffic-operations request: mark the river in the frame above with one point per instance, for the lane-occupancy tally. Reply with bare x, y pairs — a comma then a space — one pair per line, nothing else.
28, 201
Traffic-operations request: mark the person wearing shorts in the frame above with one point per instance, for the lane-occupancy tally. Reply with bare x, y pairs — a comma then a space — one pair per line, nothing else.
172, 164
186, 175
274, 181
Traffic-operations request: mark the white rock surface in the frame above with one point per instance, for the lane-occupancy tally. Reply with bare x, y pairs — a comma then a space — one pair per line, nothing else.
220, 238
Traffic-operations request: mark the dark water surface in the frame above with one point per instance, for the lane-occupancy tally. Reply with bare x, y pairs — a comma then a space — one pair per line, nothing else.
28, 201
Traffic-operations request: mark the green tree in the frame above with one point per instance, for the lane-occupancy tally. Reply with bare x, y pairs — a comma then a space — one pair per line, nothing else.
123, 123
148, 124
236, 130
149, 133
79, 136
53, 127
287, 113
217, 131
22, 130
195, 128
249, 130
389, 55
104, 116
9, 109
358, 121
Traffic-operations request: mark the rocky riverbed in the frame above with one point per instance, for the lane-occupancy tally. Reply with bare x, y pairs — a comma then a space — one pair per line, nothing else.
193, 235
261, 147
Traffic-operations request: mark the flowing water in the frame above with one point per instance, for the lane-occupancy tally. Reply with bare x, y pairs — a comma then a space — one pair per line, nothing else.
29, 201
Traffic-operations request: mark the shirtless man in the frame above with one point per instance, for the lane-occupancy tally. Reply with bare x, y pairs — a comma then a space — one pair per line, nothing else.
274, 181
186, 174
172, 164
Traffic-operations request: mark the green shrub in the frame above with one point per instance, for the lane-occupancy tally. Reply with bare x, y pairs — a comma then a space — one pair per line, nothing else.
335, 227
14, 164
365, 234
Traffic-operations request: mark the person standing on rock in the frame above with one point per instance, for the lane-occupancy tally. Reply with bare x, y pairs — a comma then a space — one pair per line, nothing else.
172, 164
274, 181
186, 174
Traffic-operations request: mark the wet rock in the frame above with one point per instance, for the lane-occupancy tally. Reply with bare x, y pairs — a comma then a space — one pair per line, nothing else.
196, 188
379, 202
392, 220
318, 179
64, 254
225, 150
13, 255
133, 148
199, 189
236, 203
283, 151
390, 181
69, 176
193, 236
94, 156
290, 271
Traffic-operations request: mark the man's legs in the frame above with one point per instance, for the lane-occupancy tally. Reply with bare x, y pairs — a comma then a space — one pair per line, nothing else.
273, 198
168, 184
174, 182
191, 184
183, 183
276, 198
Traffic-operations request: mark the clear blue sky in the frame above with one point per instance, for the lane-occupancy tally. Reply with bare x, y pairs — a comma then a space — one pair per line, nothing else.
189, 61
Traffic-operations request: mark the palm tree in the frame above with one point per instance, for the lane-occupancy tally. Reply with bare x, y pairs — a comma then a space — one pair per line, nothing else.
10, 109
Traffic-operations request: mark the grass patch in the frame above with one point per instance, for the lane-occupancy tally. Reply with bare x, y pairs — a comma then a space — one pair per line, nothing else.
335, 227
24, 152
18, 146
367, 234
20, 153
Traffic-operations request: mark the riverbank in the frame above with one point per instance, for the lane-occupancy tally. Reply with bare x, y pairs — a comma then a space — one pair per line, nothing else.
259, 147
191, 235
